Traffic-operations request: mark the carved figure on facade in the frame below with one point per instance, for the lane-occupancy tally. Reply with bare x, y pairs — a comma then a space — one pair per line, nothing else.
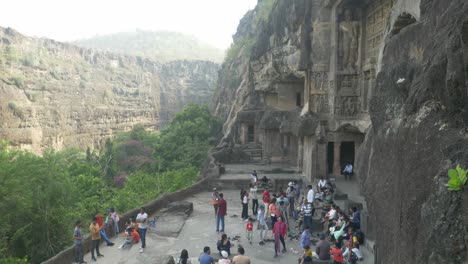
320, 80
321, 101
347, 105
348, 42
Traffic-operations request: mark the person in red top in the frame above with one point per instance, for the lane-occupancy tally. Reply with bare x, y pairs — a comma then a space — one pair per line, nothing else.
266, 200
280, 230
249, 229
337, 255
222, 210
135, 236
103, 232
131, 237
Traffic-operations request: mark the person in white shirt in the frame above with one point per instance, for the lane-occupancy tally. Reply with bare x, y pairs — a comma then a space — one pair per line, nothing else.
321, 184
310, 194
141, 219
348, 171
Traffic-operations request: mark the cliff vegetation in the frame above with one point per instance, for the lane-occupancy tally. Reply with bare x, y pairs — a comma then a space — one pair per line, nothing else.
42, 196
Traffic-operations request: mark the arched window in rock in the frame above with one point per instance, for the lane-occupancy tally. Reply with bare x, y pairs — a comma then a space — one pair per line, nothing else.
403, 20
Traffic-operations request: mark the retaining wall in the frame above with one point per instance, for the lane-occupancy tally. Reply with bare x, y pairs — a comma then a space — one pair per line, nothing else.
209, 171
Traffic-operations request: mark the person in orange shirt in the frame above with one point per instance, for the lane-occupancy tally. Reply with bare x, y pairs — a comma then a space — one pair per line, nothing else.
95, 232
337, 254
274, 212
132, 237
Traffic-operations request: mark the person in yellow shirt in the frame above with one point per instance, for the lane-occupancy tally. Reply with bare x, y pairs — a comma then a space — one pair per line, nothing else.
95, 232
306, 256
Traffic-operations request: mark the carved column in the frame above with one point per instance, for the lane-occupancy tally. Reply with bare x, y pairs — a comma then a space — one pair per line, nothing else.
336, 158
300, 153
356, 149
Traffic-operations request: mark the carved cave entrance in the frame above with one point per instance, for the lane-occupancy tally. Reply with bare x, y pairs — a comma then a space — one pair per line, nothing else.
346, 154
250, 134
330, 156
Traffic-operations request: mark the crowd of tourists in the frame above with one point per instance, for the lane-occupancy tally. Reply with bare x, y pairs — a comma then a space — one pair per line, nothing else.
287, 213
280, 215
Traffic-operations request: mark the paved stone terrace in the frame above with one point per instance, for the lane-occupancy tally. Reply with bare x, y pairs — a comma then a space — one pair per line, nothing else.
199, 231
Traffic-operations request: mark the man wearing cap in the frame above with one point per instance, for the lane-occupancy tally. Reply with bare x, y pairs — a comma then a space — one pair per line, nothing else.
291, 194
322, 251
225, 259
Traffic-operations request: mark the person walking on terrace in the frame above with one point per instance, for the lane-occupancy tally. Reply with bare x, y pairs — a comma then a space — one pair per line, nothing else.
262, 225
142, 220
245, 206
280, 230
222, 210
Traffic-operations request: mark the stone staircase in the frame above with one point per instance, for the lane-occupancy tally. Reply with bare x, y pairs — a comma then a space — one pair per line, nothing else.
254, 150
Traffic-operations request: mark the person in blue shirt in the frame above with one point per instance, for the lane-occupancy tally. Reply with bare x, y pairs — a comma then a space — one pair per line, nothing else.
356, 219
305, 237
205, 258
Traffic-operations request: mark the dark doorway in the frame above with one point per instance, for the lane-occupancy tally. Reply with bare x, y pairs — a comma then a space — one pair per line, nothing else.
330, 155
298, 99
250, 134
346, 153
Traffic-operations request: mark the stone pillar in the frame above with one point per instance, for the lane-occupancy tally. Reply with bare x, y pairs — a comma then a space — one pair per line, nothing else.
321, 160
336, 158
300, 153
356, 149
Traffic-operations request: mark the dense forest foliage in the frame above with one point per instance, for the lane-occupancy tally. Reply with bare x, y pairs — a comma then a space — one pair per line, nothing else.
161, 46
42, 196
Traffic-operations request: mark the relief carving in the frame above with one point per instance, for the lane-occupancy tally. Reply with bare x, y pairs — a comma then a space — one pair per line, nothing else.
349, 41
347, 106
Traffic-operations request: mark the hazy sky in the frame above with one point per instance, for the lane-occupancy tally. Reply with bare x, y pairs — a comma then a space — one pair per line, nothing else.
213, 21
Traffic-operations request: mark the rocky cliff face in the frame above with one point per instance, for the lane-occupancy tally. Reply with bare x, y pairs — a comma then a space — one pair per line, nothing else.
419, 115
58, 95
415, 123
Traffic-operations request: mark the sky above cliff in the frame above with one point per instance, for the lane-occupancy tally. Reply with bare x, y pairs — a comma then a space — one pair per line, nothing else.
213, 21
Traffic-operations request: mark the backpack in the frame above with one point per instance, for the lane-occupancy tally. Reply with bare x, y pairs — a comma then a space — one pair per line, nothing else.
353, 258
360, 237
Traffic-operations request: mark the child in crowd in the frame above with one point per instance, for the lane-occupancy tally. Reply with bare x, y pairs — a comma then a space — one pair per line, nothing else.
337, 254
306, 256
249, 230
131, 237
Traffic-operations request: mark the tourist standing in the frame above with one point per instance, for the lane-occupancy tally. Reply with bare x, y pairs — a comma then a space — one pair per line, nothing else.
307, 214
280, 231
78, 238
240, 258
262, 225
245, 206
95, 232
305, 237
266, 200
205, 257
214, 200
222, 210
103, 232
291, 195
274, 212
142, 220
115, 219
254, 198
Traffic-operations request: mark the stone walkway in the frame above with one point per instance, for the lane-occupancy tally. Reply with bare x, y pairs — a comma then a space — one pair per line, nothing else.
199, 231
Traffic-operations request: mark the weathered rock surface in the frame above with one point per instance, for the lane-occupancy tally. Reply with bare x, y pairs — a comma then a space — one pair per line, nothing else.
418, 132
415, 125
173, 218
54, 94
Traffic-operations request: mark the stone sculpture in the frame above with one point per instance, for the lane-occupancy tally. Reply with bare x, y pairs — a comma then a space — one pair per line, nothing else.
349, 39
